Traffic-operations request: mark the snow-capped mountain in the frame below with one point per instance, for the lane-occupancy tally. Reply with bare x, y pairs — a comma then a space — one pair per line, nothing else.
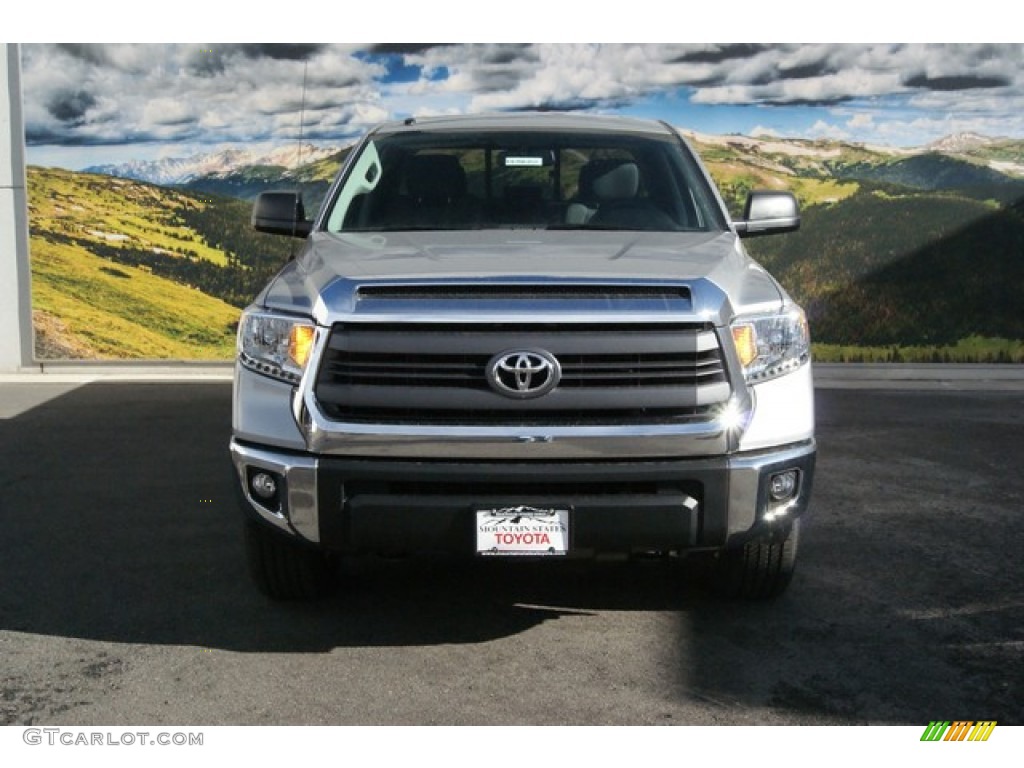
960, 142
180, 170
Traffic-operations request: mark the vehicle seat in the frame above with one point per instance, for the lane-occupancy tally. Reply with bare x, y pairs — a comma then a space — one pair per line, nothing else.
601, 181
620, 206
435, 188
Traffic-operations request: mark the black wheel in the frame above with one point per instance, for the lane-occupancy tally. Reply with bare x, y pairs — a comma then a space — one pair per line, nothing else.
285, 570
761, 568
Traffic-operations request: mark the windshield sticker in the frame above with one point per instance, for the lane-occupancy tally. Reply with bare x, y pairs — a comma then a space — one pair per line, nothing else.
524, 162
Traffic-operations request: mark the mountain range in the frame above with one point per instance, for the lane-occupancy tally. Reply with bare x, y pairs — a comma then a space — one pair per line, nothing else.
174, 171
1000, 155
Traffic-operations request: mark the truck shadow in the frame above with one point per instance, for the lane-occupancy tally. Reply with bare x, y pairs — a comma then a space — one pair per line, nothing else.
118, 524
119, 519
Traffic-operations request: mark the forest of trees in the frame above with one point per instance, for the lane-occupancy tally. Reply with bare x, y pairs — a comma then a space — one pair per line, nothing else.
911, 268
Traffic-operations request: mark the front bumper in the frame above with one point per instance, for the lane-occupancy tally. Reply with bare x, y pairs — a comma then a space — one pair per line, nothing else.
361, 505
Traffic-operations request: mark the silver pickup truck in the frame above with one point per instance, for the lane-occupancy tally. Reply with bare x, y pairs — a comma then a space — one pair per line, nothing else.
523, 336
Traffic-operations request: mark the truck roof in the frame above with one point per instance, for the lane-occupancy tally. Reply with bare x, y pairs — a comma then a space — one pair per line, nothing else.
529, 121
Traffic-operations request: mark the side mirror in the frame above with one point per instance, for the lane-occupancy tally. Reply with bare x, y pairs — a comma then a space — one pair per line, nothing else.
280, 213
769, 213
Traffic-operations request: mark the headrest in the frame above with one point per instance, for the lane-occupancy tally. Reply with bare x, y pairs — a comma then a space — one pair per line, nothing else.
435, 177
620, 183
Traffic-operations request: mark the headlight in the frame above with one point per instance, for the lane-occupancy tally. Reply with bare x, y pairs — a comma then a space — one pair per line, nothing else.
771, 345
275, 345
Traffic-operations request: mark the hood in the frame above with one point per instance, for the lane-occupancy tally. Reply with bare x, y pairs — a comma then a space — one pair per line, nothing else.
716, 277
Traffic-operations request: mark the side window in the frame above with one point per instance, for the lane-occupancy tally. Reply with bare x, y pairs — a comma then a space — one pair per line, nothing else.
363, 179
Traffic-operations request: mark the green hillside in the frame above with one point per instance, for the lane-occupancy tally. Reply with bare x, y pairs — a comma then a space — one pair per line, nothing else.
915, 256
120, 269
739, 165
928, 171
322, 170
928, 270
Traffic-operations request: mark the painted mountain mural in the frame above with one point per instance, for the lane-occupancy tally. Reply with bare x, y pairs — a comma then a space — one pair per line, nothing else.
904, 254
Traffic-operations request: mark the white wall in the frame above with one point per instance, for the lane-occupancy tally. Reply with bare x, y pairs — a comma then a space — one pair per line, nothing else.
15, 286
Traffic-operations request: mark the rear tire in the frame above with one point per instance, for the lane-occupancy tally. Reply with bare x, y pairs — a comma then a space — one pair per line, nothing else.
286, 570
761, 569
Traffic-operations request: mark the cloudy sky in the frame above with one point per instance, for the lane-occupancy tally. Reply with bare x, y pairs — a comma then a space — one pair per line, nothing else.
86, 104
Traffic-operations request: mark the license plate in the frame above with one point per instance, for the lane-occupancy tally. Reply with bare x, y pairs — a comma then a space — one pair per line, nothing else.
522, 530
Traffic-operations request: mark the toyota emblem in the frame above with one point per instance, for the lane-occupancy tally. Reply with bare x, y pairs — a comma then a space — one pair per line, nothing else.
523, 373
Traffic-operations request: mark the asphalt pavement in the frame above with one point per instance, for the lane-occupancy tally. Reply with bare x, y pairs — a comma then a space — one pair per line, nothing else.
124, 597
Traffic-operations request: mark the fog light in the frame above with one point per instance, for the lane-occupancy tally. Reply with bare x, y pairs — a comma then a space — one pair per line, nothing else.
783, 485
263, 485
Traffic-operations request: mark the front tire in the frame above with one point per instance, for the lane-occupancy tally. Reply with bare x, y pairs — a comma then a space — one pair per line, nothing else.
761, 569
286, 570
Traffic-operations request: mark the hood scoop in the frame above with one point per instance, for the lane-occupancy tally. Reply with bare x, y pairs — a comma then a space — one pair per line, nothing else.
517, 295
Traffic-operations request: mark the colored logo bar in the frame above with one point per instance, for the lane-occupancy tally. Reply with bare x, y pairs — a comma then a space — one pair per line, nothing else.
959, 730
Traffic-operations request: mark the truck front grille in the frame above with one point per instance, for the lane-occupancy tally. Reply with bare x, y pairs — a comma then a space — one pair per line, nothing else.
426, 373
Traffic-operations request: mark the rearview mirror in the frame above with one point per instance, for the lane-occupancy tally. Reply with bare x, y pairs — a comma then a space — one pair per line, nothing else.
280, 213
768, 212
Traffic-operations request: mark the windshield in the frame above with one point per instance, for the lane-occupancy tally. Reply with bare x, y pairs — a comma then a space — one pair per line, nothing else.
535, 180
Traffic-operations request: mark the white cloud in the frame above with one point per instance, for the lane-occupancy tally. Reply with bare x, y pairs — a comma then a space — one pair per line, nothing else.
824, 130
215, 94
861, 120
167, 111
